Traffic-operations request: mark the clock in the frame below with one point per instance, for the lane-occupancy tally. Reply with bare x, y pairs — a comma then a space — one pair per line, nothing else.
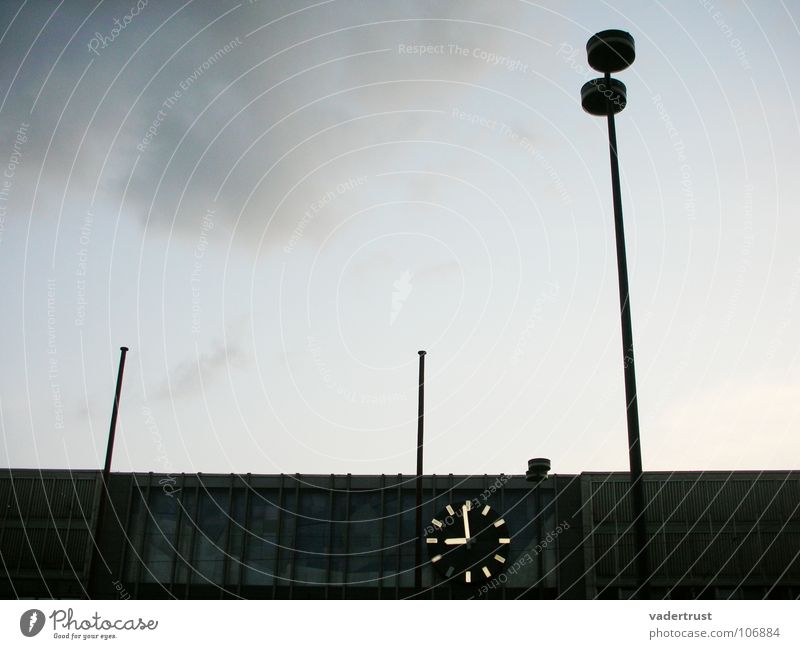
469, 542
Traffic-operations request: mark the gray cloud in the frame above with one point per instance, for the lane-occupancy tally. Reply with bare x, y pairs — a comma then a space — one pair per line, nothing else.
194, 375
214, 123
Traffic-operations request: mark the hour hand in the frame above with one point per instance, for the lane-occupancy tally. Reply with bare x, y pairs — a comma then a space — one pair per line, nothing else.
455, 541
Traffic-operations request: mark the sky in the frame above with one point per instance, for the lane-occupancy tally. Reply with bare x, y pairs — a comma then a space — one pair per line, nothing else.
275, 205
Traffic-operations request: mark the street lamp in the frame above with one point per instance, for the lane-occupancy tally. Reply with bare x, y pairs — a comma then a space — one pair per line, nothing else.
611, 51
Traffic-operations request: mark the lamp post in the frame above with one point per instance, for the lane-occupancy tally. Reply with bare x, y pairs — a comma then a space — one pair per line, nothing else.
611, 51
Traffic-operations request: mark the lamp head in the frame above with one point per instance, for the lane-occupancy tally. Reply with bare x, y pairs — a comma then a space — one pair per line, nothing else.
611, 50
598, 94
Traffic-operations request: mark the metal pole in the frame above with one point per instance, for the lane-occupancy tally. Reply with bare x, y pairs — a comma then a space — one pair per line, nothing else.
105, 476
632, 408
420, 419
115, 410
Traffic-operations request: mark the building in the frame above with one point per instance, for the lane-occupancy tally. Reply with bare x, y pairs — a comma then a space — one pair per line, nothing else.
711, 535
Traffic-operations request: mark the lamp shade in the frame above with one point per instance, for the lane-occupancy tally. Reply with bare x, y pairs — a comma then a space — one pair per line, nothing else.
598, 94
611, 50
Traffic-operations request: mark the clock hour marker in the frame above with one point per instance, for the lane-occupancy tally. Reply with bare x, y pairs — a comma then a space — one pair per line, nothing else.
504, 540
486, 510
437, 523
436, 558
499, 522
486, 572
449, 572
468, 577
431, 540
468, 505
497, 557
451, 511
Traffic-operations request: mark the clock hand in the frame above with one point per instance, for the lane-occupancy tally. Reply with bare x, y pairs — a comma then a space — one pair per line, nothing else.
466, 521
455, 541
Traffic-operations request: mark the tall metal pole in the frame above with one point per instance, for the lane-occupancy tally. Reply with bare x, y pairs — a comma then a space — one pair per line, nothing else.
632, 407
420, 420
105, 477
112, 432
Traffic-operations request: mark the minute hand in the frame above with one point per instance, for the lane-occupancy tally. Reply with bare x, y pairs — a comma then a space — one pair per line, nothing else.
465, 514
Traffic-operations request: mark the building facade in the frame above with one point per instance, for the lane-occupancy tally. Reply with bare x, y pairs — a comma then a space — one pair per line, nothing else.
711, 534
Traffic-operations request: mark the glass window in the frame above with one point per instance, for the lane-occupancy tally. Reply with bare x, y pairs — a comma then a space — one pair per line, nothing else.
187, 501
365, 538
236, 537
365, 535
340, 531
312, 539
160, 528
364, 569
286, 538
135, 536
209, 548
391, 538
408, 537
313, 522
261, 538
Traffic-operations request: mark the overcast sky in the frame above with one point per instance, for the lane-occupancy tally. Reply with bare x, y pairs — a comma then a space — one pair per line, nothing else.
276, 204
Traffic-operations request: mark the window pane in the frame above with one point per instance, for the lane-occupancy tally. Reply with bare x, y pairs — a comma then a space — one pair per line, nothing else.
339, 535
187, 502
312, 540
261, 538
212, 523
160, 527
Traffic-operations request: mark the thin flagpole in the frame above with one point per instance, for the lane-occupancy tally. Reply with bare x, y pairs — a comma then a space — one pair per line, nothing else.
105, 477
112, 432
420, 421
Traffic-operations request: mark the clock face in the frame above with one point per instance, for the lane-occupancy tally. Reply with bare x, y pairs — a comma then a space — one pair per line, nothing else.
469, 542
